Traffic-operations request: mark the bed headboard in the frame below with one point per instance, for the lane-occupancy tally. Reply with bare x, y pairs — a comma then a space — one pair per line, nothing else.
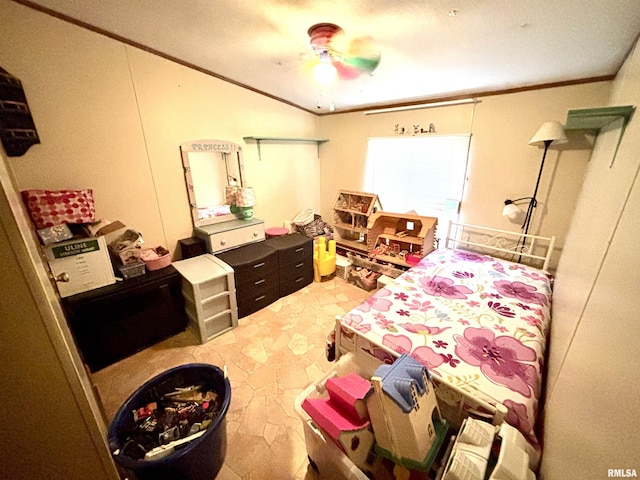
527, 249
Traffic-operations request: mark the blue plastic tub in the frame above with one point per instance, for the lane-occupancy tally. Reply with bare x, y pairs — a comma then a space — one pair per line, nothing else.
200, 459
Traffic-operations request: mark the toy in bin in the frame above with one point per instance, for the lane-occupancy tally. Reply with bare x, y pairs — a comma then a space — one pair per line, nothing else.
156, 258
343, 416
404, 413
126, 246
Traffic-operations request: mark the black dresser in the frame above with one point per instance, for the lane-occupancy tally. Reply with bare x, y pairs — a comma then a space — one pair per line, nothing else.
265, 271
295, 261
116, 321
255, 269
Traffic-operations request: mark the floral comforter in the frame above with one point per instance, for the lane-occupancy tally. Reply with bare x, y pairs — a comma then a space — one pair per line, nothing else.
475, 320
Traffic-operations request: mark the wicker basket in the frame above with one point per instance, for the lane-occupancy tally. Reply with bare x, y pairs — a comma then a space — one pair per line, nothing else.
315, 228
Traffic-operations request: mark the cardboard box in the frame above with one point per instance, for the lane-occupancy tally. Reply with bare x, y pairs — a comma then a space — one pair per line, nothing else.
80, 265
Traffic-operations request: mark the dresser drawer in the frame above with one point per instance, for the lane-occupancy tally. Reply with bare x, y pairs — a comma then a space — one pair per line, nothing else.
211, 327
256, 301
251, 262
294, 271
257, 286
288, 287
292, 248
227, 235
219, 323
210, 306
207, 289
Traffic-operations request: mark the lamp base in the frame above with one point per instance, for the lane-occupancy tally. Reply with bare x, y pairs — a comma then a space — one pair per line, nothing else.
246, 212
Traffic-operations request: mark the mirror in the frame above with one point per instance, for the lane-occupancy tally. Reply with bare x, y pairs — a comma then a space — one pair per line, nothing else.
209, 167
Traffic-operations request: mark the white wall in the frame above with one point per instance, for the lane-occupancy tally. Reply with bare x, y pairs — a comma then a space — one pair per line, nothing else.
593, 396
502, 164
51, 426
111, 118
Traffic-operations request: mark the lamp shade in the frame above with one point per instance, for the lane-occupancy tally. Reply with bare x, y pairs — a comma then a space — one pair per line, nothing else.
512, 211
230, 194
549, 132
245, 197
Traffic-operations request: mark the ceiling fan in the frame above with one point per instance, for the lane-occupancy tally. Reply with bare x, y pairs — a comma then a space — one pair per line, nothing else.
337, 56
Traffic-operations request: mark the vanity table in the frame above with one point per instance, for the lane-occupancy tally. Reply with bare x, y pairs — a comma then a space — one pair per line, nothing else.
262, 271
219, 237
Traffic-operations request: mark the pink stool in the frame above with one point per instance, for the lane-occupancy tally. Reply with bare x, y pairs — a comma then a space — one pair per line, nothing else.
276, 232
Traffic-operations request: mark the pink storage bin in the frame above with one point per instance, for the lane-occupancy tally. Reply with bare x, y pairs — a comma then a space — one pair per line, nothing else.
153, 261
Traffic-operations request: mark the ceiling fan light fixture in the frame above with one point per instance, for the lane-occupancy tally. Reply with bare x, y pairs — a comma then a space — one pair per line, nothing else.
339, 56
324, 73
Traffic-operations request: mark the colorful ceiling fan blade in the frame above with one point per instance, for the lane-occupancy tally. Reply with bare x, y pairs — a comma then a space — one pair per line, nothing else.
363, 54
350, 59
346, 71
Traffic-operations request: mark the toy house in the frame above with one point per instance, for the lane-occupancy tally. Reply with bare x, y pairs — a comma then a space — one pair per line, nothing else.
404, 414
400, 238
343, 415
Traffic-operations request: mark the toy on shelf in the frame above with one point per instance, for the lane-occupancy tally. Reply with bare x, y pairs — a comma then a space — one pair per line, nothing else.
400, 238
351, 212
324, 260
403, 408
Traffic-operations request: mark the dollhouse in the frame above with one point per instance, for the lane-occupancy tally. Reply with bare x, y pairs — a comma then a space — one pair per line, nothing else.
404, 414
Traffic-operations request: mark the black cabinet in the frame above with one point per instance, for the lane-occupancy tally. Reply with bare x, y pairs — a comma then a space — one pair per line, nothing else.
265, 271
255, 269
116, 321
295, 261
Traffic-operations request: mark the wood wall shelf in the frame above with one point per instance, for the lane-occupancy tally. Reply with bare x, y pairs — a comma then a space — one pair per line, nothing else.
596, 118
258, 140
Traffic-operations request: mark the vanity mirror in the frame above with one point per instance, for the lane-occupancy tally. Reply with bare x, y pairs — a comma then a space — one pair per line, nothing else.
210, 167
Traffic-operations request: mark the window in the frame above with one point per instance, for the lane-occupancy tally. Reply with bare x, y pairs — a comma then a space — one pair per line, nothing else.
421, 174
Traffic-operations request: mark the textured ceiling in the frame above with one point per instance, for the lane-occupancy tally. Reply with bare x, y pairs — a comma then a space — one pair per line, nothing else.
431, 49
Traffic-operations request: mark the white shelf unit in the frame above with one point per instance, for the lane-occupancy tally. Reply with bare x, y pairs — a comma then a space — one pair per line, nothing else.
208, 288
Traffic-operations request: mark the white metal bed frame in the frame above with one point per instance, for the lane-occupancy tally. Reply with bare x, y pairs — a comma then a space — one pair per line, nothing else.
502, 244
455, 403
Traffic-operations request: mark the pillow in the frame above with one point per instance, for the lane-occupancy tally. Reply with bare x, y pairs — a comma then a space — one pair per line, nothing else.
55, 207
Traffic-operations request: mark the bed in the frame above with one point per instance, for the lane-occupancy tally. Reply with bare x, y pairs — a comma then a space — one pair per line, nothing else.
476, 311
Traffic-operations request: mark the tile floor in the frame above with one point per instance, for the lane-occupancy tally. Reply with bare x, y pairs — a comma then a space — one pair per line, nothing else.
271, 357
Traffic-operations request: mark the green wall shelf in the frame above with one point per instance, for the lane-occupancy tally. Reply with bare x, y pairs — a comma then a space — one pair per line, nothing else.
259, 140
595, 118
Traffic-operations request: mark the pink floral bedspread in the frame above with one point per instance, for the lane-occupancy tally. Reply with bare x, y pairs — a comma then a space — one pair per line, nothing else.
477, 321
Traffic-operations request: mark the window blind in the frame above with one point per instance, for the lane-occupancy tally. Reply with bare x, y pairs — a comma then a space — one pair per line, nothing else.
421, 174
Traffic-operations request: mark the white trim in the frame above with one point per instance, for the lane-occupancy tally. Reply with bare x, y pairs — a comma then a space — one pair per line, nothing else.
449, 103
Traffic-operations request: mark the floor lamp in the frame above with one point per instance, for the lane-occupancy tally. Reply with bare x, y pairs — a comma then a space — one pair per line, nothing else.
548, 133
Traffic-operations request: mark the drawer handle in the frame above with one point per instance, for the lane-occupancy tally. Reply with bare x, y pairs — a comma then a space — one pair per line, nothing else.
261, 297
258, 265
299, 249
260, 281
298, 280
300, 265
